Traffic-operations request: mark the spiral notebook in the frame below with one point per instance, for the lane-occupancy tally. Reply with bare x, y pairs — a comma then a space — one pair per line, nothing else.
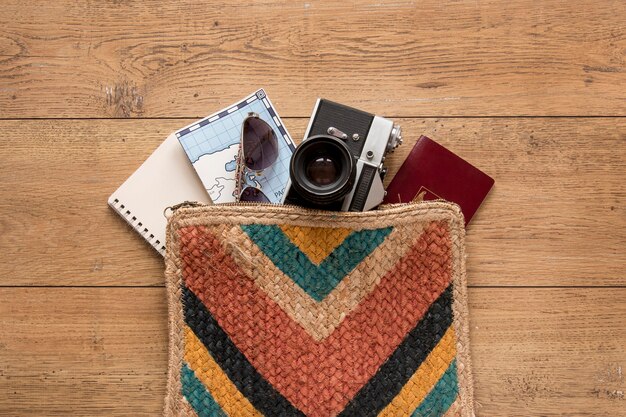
166, 178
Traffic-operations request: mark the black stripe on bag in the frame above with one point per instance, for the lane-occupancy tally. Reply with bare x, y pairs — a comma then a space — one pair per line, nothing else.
402, 364
257, 390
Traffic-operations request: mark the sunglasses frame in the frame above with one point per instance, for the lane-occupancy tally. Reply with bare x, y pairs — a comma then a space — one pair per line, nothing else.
241, 169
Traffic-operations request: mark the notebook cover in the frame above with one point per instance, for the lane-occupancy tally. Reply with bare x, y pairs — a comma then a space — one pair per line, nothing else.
432, 172
166, 178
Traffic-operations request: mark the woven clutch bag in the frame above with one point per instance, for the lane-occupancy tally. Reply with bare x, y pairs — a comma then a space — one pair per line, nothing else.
282, 311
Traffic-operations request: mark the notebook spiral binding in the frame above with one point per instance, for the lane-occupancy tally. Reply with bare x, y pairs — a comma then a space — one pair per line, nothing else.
136, 224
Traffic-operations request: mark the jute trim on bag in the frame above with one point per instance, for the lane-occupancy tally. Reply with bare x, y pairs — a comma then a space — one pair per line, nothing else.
227, 221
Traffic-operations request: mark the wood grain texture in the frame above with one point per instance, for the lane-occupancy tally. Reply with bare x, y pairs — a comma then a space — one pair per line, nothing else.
556, 217
83, 58
557, 214
102, 351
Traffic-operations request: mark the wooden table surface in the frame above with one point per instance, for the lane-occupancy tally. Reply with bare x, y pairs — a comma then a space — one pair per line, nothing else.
532, 92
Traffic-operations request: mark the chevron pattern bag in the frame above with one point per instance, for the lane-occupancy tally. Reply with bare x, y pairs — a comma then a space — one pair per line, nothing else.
283, 311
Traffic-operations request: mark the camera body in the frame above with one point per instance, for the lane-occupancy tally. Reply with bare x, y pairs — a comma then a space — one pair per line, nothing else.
340, 163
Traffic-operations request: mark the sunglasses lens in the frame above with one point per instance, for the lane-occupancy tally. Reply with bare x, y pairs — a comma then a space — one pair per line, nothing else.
253, 195
260, 145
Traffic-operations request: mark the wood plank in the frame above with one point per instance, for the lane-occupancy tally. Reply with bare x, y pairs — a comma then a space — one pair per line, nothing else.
79, 58
102, 351
555, 217
82, 352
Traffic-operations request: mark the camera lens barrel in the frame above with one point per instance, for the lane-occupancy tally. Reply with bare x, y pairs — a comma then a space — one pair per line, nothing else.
322, 169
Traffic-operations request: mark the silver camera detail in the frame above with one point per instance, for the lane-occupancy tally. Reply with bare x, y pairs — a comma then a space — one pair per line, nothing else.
340, 163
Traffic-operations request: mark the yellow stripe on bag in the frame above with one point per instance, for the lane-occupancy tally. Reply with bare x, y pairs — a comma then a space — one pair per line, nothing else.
225, 393
424, 379
316, 242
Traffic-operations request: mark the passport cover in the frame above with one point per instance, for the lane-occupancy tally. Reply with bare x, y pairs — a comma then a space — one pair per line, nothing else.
432, 172
285, 311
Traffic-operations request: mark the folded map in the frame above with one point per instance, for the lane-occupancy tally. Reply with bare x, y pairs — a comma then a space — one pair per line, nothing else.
212, 144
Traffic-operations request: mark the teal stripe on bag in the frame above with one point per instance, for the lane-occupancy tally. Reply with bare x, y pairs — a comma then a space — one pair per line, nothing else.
197, 395
441, 397
317, 281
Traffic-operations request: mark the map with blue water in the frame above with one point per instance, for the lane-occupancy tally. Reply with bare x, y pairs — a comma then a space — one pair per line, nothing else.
212, 144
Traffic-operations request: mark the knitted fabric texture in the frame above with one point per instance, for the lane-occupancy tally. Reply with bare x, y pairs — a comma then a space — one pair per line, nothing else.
280, 311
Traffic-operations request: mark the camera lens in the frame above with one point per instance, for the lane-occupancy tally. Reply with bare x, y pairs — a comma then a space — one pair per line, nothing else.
322, 169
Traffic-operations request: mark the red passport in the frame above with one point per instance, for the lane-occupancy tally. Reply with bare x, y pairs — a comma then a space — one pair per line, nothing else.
432, 172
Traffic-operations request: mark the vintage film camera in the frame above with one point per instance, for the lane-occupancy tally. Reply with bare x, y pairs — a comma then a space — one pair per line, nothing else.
339, 164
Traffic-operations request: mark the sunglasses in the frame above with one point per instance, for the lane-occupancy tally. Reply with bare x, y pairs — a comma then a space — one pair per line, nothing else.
258, 150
